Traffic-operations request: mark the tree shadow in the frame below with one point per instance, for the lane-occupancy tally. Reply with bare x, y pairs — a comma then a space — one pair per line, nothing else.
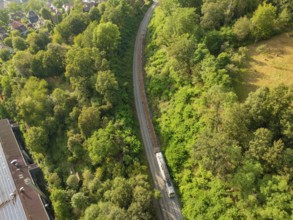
245, 85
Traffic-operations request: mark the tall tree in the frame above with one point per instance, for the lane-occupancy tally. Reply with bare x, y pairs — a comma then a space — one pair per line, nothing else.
33, 102
106, 37
107, 86
263, 21
89, 120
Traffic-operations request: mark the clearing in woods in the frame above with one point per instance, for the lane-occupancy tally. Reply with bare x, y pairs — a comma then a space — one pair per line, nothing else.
269, 63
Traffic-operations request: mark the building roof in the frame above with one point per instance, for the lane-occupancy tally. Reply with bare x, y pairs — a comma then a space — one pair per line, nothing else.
68, 6
10, 205
15, 203
88, 5
32, 17
17, 25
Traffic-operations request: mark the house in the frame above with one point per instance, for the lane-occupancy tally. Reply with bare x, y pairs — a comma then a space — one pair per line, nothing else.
20, 196
88, 5
17, 25
53, 8
32, 17
55, 13
68, 7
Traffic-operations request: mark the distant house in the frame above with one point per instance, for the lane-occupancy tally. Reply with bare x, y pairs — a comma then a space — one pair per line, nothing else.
53, 9
88, 5
32, 17
17, 25
55, 13
67, 7
21, 198
3, 33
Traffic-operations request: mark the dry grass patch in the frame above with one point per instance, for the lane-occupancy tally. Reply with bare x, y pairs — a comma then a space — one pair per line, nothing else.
270, 63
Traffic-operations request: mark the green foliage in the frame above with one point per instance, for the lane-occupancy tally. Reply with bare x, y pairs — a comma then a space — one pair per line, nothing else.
181, 21
89, 120
33, 102
284, 19
79, 201
74, 144
18, 43
94, 14
213, 14
8, 41
5, 54
46, 14
22, 62
106, 37
230, 160
246, 177
82, 65
92, 212
263, 21
212, 201
35, 5
61, 203
14, 7
72, 182
59, 3
105, 211
102, 144
85, 39
54, 60
37, 41
213, 41
107, 86
54, 180
242, 28
72, 25
120, 193
4, 18
116, 12
36, 139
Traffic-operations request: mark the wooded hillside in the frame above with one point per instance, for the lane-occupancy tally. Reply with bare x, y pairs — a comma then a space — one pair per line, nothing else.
229, 159
66, 80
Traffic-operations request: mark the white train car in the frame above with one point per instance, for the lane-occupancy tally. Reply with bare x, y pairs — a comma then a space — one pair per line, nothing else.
165, 174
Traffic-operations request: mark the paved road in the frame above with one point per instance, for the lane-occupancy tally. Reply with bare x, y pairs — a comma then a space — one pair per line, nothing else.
169, 207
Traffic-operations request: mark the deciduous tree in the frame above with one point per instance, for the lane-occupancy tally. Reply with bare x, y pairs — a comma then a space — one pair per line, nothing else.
263, 21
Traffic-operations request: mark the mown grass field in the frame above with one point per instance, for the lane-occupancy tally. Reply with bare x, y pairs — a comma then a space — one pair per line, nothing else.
269, 63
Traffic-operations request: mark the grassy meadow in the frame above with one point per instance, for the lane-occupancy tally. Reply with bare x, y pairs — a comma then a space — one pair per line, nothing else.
269, 63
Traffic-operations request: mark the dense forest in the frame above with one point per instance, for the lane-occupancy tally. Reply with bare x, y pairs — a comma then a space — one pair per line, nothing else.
230, 158
66, 79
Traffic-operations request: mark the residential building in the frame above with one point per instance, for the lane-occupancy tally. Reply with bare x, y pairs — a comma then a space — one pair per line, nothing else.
20, 198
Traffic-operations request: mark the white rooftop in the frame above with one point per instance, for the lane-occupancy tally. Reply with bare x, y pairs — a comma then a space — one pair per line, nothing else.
10, 205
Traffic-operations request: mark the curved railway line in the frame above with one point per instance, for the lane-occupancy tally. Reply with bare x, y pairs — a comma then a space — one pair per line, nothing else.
168, 208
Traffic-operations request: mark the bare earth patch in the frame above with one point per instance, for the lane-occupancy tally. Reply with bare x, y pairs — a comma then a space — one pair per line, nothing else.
270, 63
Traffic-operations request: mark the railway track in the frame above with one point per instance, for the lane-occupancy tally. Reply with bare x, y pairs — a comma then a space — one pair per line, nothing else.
168, 208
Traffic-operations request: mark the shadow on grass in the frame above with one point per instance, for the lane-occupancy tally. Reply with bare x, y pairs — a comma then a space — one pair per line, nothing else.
245, 84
